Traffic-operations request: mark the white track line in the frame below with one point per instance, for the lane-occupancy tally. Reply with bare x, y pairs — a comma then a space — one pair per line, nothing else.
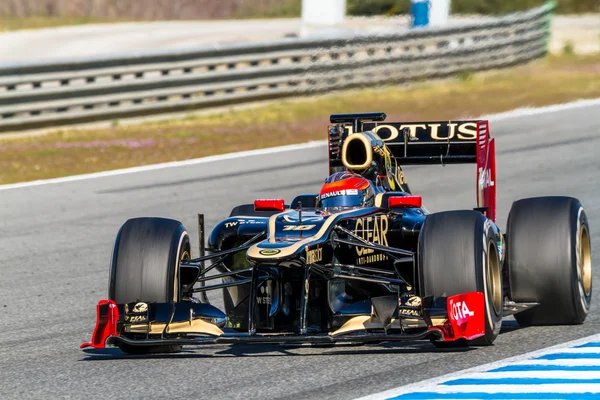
433, 382
566, 363
526, 112
586, 389
520, 112
532, 374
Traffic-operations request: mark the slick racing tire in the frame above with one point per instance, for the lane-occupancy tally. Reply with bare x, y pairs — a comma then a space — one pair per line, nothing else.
145, 267
458, 253
549, 260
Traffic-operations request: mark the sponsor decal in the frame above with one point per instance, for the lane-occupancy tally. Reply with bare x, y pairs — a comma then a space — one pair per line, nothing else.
374, 230
485, 178
435, 131
251, 221
244, 221
408, 312
265, 296
372, 258
314, 256
343, 192
460, 311
139, 308
269, 252
413, 302
136, 319
298, 227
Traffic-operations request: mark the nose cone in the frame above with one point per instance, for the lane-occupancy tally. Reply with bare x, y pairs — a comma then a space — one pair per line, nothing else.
289, 233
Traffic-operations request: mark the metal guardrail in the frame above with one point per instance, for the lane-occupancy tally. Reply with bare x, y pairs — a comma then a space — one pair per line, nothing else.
60, 93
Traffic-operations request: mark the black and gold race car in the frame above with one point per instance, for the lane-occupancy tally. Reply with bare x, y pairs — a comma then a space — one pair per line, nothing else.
361, 261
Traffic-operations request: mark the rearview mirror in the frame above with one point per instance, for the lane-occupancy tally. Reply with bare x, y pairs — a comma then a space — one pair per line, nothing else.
405, 202
269, 205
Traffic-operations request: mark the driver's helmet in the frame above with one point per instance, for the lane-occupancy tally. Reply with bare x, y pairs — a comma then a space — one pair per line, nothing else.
345, 190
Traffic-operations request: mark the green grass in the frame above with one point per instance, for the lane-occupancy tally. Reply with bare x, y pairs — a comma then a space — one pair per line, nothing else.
282, 9
556, 79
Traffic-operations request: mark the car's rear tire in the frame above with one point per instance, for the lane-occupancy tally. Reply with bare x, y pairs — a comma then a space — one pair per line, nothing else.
548, 253
458, 253
145, 267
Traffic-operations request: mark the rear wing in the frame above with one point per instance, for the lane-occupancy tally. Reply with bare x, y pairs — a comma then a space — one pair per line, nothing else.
420, 143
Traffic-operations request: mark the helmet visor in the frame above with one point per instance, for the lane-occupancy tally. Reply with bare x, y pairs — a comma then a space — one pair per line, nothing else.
354, 200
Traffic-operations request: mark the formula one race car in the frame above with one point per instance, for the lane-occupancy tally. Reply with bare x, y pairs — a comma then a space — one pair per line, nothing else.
361, 261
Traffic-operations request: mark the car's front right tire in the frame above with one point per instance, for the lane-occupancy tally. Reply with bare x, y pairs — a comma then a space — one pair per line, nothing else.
458, 253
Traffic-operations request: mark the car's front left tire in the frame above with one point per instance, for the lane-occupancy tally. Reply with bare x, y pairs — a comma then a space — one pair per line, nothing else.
145, 267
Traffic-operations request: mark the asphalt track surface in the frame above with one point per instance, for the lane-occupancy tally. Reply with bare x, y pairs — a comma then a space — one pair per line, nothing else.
56, 241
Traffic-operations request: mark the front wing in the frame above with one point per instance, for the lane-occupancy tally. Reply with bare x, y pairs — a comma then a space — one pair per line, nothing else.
445, 319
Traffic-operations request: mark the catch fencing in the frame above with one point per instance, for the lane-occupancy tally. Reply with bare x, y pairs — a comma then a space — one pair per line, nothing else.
62, 93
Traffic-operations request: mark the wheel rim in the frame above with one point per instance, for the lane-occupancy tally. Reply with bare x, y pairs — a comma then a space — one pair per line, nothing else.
584, 261
494, 278
185, 255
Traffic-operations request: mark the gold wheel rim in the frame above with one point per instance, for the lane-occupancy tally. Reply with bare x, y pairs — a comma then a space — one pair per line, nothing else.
185, 255
494, 278
584, 260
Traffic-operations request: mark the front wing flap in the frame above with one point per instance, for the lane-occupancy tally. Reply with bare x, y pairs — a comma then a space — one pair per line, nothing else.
447, 319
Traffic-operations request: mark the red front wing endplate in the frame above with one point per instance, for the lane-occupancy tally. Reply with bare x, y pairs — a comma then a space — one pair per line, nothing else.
107, 315
466, 317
